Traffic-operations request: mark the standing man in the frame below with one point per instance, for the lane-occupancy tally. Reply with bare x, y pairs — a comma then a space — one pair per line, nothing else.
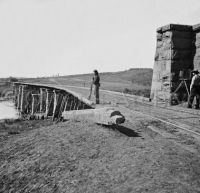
194, 89
96, 83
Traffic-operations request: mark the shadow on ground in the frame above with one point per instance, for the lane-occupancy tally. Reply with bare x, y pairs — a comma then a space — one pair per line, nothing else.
125, 130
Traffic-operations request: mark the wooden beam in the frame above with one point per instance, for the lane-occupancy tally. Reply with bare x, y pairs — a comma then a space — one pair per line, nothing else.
105, 116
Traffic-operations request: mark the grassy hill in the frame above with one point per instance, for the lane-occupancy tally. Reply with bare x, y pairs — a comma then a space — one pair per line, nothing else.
133, 81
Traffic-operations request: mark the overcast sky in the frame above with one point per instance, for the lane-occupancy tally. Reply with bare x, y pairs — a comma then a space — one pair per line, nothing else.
48, 37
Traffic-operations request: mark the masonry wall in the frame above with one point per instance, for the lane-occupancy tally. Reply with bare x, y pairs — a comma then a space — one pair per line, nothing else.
196, 47
173, 59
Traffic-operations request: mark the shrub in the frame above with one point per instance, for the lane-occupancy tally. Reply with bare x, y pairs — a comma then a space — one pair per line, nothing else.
143, 92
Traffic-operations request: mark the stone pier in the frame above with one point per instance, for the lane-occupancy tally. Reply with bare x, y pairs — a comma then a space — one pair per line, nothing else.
177, 53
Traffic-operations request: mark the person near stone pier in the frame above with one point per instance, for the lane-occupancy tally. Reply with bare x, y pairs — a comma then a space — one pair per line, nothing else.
194, 89
96, 83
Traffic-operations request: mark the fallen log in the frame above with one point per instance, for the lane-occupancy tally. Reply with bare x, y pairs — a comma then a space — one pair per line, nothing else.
105, 116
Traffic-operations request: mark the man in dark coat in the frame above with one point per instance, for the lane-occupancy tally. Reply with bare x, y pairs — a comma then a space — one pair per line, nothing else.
194, 89
96, 83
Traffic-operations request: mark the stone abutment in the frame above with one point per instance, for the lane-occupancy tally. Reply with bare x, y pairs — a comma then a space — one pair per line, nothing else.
177, 53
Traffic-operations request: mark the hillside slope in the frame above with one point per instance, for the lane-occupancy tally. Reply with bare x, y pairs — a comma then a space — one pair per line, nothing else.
134, 81
83, 157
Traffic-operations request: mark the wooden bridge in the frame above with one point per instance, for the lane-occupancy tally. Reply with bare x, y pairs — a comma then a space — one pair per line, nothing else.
43, 101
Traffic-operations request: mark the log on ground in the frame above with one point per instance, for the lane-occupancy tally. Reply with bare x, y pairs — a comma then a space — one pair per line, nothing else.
105, 116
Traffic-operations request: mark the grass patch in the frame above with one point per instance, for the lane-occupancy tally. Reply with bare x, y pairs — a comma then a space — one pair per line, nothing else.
14, 127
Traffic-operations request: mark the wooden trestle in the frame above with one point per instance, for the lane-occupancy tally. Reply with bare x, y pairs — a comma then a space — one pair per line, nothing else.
46, 100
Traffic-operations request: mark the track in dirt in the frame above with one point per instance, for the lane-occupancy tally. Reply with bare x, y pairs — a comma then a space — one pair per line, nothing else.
179, 117
188, 121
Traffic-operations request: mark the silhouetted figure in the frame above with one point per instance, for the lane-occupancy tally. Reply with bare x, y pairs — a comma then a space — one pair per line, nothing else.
194, 89
96, 83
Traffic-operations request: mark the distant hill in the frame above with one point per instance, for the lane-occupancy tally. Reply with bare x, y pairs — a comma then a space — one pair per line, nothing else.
134, 81
141, 76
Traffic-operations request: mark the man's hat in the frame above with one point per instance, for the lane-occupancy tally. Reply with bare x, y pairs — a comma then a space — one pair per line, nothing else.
195, 71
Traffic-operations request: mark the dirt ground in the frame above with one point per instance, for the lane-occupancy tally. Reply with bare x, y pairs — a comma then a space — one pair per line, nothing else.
82, 157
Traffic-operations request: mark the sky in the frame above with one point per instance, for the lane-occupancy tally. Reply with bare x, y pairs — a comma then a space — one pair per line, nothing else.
51, 37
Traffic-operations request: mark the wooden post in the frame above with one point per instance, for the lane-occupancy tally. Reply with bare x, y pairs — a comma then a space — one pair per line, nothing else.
19, 98
56, 95
34, 100
41, 99
48, 102
33, 105
71, 104
62, 106
22, 103
78, 105
75, 104
66, 103
15, 90
23, 100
